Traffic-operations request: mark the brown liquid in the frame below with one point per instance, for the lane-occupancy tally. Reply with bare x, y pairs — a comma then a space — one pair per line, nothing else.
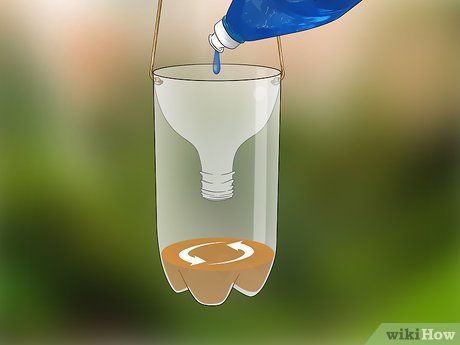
210, 282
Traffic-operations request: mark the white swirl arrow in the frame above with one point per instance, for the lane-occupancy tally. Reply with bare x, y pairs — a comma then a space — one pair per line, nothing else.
195, 260
248, 251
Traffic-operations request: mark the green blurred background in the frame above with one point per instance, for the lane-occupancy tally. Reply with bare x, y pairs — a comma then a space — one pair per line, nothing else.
369, 180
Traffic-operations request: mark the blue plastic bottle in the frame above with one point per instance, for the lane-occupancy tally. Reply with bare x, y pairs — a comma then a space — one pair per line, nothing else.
252, 20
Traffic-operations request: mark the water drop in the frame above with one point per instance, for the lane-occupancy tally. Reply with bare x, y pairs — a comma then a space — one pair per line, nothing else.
216, 63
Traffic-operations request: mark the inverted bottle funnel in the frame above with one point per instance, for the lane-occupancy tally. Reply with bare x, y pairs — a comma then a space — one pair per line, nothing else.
217, 114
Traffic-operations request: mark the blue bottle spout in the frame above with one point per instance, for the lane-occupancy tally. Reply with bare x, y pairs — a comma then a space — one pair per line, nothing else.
221, 39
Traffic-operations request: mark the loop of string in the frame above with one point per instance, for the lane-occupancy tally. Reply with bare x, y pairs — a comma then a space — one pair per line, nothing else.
155, 42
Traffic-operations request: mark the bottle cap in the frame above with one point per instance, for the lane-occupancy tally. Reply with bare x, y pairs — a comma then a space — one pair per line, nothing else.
220, 39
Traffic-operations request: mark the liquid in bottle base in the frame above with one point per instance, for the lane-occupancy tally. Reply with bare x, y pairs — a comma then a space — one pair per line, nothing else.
210, 267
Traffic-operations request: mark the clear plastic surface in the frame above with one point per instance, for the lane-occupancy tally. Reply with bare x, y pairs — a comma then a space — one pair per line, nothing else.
216, 150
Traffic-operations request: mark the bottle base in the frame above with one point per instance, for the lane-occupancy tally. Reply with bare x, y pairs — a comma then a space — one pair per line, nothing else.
211, 282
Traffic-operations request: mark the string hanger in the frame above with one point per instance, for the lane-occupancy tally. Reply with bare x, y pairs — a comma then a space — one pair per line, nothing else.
155, 39
155, 42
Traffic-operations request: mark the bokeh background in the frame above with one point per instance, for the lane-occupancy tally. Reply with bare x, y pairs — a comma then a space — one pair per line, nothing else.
369, 180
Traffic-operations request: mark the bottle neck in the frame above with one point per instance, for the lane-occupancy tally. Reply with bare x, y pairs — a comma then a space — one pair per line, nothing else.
216, 186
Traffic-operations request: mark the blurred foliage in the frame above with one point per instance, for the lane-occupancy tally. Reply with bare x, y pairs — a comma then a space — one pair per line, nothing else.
368, 212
